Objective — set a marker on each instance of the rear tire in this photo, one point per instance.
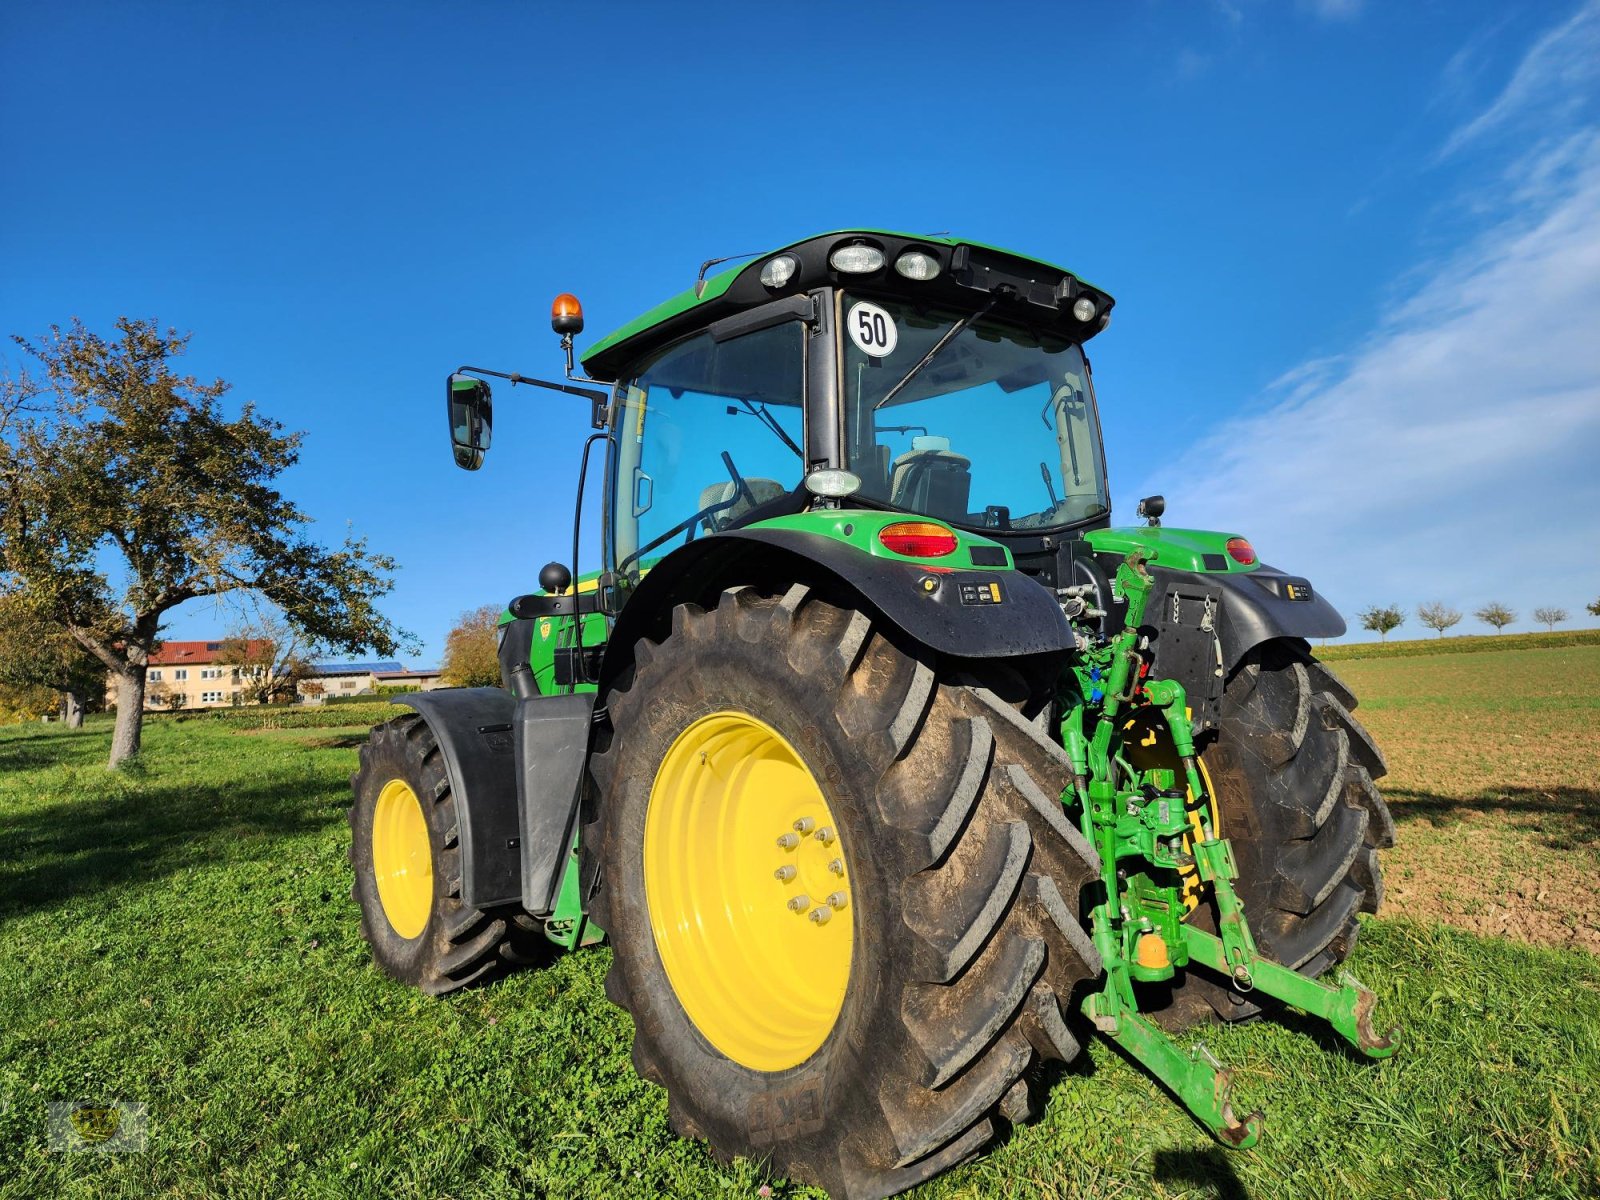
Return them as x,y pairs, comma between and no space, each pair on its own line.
441,944
1293,772
964,894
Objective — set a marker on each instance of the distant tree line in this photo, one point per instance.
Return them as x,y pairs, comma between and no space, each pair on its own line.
1382,619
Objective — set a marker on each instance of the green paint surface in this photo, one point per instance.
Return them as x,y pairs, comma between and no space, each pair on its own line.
1175,549
859,528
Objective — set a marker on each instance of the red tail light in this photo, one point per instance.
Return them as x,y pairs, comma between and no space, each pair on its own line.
918,539
1241,551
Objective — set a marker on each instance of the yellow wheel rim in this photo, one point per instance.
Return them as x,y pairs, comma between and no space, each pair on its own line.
401,858
1147,745
747,882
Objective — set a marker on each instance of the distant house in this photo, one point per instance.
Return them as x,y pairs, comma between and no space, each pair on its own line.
348,679
424,680
189,675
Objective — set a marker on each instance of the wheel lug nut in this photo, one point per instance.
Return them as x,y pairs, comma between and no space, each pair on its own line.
799,904
837,866
825,835
837,900
783,874
804,825
821,915
789,841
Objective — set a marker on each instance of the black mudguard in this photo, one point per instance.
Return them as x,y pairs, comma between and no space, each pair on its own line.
552,746
1028,621
514,768
1202,626
475,731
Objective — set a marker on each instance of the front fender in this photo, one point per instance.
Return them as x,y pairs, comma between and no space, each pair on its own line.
959,617
474,729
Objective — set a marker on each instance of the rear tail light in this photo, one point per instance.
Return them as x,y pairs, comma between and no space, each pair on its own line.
1241,551
918,539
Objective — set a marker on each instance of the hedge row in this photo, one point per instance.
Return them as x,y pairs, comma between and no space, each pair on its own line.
1472,644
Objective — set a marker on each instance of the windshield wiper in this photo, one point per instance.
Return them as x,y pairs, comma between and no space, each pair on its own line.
927,358
760,413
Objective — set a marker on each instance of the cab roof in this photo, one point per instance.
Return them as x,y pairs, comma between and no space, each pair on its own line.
970,273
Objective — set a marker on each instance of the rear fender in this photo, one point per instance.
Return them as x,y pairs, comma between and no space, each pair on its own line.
1027,622
1203,624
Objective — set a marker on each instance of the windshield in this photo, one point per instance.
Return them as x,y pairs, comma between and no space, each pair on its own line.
706,431
998,430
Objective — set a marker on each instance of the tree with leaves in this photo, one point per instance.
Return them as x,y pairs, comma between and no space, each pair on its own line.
1550,617
471,654
270,657
1438,615
127,489
1381,619
1594,608
1496,614
26,702
35,653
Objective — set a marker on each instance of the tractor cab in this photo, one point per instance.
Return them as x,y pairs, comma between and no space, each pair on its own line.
925,376
863,370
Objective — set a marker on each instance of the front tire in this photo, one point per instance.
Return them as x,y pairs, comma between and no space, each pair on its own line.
960,936
406,854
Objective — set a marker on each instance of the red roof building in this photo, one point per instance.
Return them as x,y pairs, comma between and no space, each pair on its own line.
190,675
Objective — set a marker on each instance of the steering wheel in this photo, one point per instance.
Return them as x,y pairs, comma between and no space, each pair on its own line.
741,488
689,526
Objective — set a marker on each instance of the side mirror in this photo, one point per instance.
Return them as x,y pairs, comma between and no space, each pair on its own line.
471,414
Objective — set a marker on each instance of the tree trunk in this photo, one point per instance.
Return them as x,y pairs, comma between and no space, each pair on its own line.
130,714
72,710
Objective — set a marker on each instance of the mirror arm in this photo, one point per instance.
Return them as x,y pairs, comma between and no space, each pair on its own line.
600,400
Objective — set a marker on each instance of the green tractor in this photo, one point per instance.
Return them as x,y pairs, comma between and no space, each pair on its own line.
888,767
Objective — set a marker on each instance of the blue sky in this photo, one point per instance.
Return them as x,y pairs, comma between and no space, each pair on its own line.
1356,247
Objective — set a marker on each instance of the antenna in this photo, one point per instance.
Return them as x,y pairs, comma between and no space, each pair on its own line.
700,279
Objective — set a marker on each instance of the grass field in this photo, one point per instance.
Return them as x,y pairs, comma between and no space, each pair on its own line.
180,935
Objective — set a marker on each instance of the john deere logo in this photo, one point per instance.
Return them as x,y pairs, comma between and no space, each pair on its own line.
96,1124
544,627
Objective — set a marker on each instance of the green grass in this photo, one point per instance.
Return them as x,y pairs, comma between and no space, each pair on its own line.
1464,644
181,935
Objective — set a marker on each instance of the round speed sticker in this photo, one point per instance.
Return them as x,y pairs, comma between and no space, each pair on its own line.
872,330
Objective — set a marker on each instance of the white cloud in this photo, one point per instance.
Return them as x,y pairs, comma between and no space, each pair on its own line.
1455,453
1552,82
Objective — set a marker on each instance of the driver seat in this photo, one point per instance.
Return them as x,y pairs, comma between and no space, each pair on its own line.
720,493
931,478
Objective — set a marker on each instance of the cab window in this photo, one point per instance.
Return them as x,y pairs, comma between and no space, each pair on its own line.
706,431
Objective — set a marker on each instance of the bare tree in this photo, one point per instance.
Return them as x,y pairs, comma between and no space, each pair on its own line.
1380,620
1550,617
1594,608
1496,614
1438,615
115,458
269,656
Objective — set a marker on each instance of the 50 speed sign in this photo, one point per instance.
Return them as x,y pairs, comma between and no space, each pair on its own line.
872,330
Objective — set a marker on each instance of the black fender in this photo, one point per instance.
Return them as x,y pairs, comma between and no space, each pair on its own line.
475,731
1027,621
514,767
1201,625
